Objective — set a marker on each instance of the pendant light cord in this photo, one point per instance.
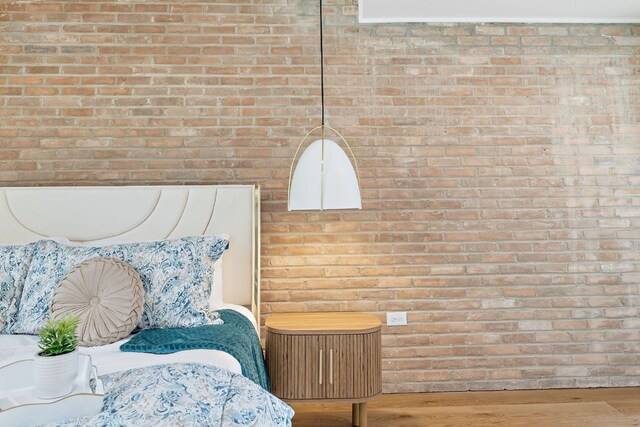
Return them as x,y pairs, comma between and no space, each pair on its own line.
321,67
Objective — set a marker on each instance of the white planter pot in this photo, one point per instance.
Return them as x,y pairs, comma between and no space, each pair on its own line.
53,376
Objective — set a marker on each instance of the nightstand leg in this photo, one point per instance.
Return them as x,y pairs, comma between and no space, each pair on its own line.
363,414
355,414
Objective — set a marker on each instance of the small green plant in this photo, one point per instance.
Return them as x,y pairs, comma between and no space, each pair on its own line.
59,336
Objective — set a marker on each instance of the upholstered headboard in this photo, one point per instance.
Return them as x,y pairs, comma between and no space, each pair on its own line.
134,213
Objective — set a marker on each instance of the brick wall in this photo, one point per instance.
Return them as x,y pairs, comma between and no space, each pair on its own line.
500,165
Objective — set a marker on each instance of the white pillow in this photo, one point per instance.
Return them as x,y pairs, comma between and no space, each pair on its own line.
216,300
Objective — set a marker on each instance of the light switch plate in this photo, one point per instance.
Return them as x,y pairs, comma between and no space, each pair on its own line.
396,318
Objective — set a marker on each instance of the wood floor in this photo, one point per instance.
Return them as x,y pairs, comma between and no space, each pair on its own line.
612,407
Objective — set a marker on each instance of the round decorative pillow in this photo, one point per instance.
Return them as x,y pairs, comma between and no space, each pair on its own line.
106,294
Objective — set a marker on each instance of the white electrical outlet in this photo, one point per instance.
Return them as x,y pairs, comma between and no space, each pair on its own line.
396,318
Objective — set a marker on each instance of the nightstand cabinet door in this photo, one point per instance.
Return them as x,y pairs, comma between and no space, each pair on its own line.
355,365
294,365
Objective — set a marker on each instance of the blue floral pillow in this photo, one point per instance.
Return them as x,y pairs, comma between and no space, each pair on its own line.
14,263
176,275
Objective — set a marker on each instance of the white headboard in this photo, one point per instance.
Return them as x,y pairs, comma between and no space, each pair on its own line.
133,213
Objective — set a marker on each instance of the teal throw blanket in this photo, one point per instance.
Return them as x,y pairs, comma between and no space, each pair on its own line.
236,336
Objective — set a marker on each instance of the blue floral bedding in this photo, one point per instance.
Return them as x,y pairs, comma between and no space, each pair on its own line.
185,394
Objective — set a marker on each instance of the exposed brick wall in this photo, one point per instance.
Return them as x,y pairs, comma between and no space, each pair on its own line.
500,165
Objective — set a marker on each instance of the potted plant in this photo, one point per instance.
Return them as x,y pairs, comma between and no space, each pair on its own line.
56,365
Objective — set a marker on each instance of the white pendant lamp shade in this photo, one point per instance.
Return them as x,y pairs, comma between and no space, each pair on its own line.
324,178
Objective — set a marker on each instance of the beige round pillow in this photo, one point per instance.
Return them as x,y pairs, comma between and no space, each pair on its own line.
106,294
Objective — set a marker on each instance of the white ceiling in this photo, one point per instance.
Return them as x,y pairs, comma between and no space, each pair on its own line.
570,11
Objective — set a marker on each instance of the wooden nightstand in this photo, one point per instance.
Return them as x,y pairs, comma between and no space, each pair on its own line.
325,356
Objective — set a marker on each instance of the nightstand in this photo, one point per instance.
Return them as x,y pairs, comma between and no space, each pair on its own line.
325,356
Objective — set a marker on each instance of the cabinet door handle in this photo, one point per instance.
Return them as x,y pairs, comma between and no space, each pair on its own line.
320,378
331,366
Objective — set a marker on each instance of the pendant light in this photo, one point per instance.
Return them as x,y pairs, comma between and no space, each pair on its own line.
324,176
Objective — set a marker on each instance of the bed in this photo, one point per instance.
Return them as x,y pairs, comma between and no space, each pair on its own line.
159,382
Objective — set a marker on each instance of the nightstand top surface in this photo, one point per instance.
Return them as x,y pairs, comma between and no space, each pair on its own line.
322,323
